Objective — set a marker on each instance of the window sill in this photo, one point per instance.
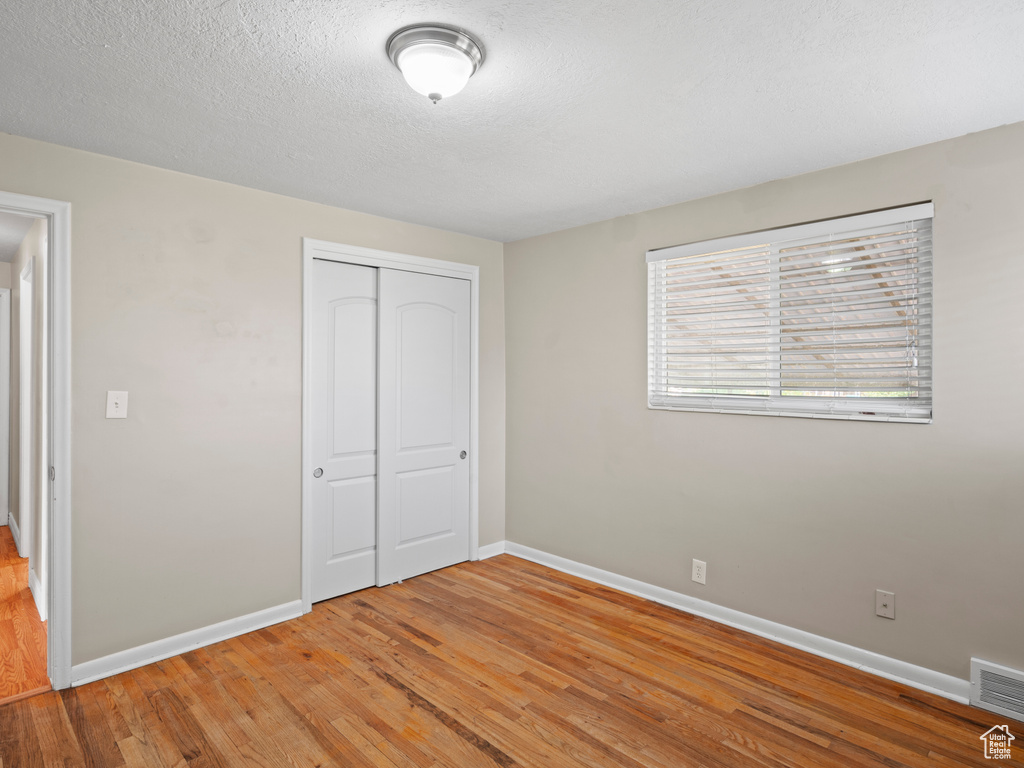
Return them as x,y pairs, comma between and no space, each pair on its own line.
842,416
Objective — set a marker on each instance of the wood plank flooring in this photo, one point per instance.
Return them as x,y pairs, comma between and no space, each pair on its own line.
497,663
22,634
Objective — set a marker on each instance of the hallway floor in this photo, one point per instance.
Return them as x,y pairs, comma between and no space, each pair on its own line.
22,634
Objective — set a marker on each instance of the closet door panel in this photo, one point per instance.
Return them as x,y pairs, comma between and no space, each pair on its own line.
344,428
423,423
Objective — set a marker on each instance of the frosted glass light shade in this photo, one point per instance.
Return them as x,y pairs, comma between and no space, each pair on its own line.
435,60
436,71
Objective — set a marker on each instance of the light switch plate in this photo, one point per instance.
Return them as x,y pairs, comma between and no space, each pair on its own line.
885,604
117,405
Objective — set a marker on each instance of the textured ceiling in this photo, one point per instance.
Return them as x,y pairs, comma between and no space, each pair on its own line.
583,110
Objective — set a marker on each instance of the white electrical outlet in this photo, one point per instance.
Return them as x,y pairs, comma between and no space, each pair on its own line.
885,604
117,405
700,571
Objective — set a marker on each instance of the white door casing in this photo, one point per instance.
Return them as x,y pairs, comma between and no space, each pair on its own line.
344,428
423,434
58,353
26,420
5,391
33,502
326,251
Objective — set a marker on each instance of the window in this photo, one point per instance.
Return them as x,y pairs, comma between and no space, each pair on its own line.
830,319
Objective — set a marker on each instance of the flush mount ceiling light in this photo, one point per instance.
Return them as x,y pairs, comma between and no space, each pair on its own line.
435,60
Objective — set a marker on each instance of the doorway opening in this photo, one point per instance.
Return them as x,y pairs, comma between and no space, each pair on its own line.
34,445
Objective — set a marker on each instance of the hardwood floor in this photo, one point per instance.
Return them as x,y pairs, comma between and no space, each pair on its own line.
501,662
22,634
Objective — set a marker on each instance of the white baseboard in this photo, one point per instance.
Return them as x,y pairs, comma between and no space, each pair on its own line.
491,550
15,534
892,669
159,650
37,592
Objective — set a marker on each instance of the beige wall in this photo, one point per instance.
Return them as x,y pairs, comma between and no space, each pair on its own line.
187,293
799,520
5,275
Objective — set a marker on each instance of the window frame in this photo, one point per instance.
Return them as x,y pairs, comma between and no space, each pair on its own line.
771,242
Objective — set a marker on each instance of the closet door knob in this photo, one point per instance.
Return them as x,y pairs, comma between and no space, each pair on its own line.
462,455
317,472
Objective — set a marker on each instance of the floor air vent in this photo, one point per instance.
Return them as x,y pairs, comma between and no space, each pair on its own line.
997,689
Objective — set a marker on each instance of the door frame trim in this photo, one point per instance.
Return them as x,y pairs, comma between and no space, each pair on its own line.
58,278
5,405
28,475
370,257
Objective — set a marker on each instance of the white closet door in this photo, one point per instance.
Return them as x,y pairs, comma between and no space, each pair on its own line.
423,427
344,429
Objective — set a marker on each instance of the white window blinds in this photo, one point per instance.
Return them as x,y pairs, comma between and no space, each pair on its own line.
826,319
